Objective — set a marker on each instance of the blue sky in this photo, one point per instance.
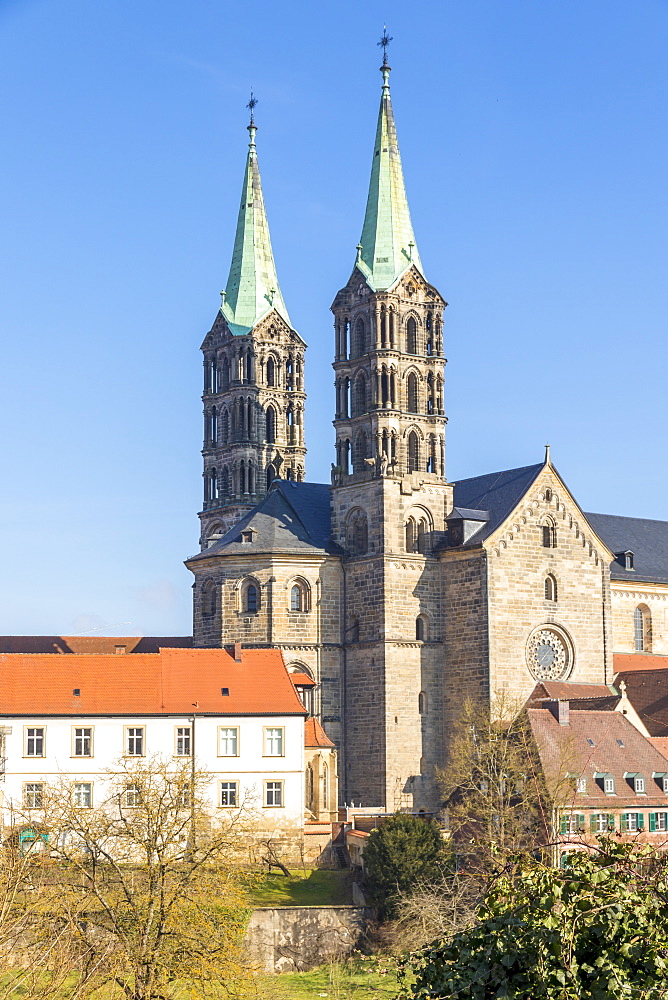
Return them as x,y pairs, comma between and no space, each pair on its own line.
535,149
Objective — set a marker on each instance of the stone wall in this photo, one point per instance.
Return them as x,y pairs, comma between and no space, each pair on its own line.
625,599
297,938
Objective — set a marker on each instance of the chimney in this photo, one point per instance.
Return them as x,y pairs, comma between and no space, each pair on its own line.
237,652
561,711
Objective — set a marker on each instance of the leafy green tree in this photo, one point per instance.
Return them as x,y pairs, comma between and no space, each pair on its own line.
402,854
594,930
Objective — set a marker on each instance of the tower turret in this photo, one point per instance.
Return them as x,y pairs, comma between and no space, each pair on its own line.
253,374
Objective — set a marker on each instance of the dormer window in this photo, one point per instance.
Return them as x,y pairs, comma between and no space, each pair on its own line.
246,537
606,782
661,778
636,781
628,560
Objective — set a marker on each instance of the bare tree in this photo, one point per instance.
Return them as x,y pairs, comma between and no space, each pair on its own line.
493,785
148,887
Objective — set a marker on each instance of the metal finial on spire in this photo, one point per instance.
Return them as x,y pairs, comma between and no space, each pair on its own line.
384,42
251,107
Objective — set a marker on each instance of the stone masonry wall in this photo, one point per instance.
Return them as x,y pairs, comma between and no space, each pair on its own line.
625,600
518,564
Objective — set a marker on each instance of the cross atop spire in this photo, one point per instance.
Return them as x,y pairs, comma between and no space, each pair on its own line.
385,41
388,245
252,104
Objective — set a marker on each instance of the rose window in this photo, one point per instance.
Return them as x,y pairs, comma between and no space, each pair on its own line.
548,655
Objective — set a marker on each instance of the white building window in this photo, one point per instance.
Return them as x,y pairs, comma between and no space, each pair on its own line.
183,741
134,741
132,796
273,742
229,793
273,793
34,741
82,742
581,785
83,794
33,795
228,742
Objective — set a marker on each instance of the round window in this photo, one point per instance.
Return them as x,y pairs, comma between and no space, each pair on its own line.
549,654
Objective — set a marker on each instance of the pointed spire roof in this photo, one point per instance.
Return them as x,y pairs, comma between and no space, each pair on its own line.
387,247
252,286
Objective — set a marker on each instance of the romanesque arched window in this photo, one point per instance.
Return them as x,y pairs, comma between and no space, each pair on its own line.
209,598
642,629
308,787
413,452
250,597
422,535
360,395
325,789
271,475
224,374
357,532
423,703
213,485
411,336
361,451
299,596
270,432
353,630
224,483
550,588
225,427
410,534
360,338
243,484
412,393
549,530
270,370
421,628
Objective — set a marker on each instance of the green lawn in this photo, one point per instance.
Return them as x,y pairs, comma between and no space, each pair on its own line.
317,887
348,981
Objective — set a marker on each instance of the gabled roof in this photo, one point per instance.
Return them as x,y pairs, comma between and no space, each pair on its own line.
252,288
388,242
566,749
648,540
92,643
646,688
315,735
173,681
496,494
292,517
575,693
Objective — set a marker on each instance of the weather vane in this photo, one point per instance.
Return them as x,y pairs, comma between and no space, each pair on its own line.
251,107
385,41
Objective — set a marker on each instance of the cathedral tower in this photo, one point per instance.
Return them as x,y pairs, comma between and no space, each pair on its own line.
390,495
253,375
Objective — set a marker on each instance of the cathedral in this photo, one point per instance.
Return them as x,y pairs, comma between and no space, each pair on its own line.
393,592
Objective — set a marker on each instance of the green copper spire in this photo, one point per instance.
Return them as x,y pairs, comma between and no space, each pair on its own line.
387,246
252,286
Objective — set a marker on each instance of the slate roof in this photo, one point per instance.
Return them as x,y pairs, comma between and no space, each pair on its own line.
496,493
566,748
173,681
648,540
292,517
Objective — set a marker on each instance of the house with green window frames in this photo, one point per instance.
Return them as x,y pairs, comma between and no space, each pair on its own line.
605,775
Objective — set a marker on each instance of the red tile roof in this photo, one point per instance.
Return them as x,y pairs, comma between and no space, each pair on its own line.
661,744
567,691
639,661
315,735
304,680
173,681
566,749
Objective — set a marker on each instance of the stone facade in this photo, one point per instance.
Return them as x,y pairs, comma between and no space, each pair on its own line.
253,418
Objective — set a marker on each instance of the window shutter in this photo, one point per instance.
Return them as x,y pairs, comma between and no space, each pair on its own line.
581,821
624,824
592,823
641,820
563,824
611,821
652,822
